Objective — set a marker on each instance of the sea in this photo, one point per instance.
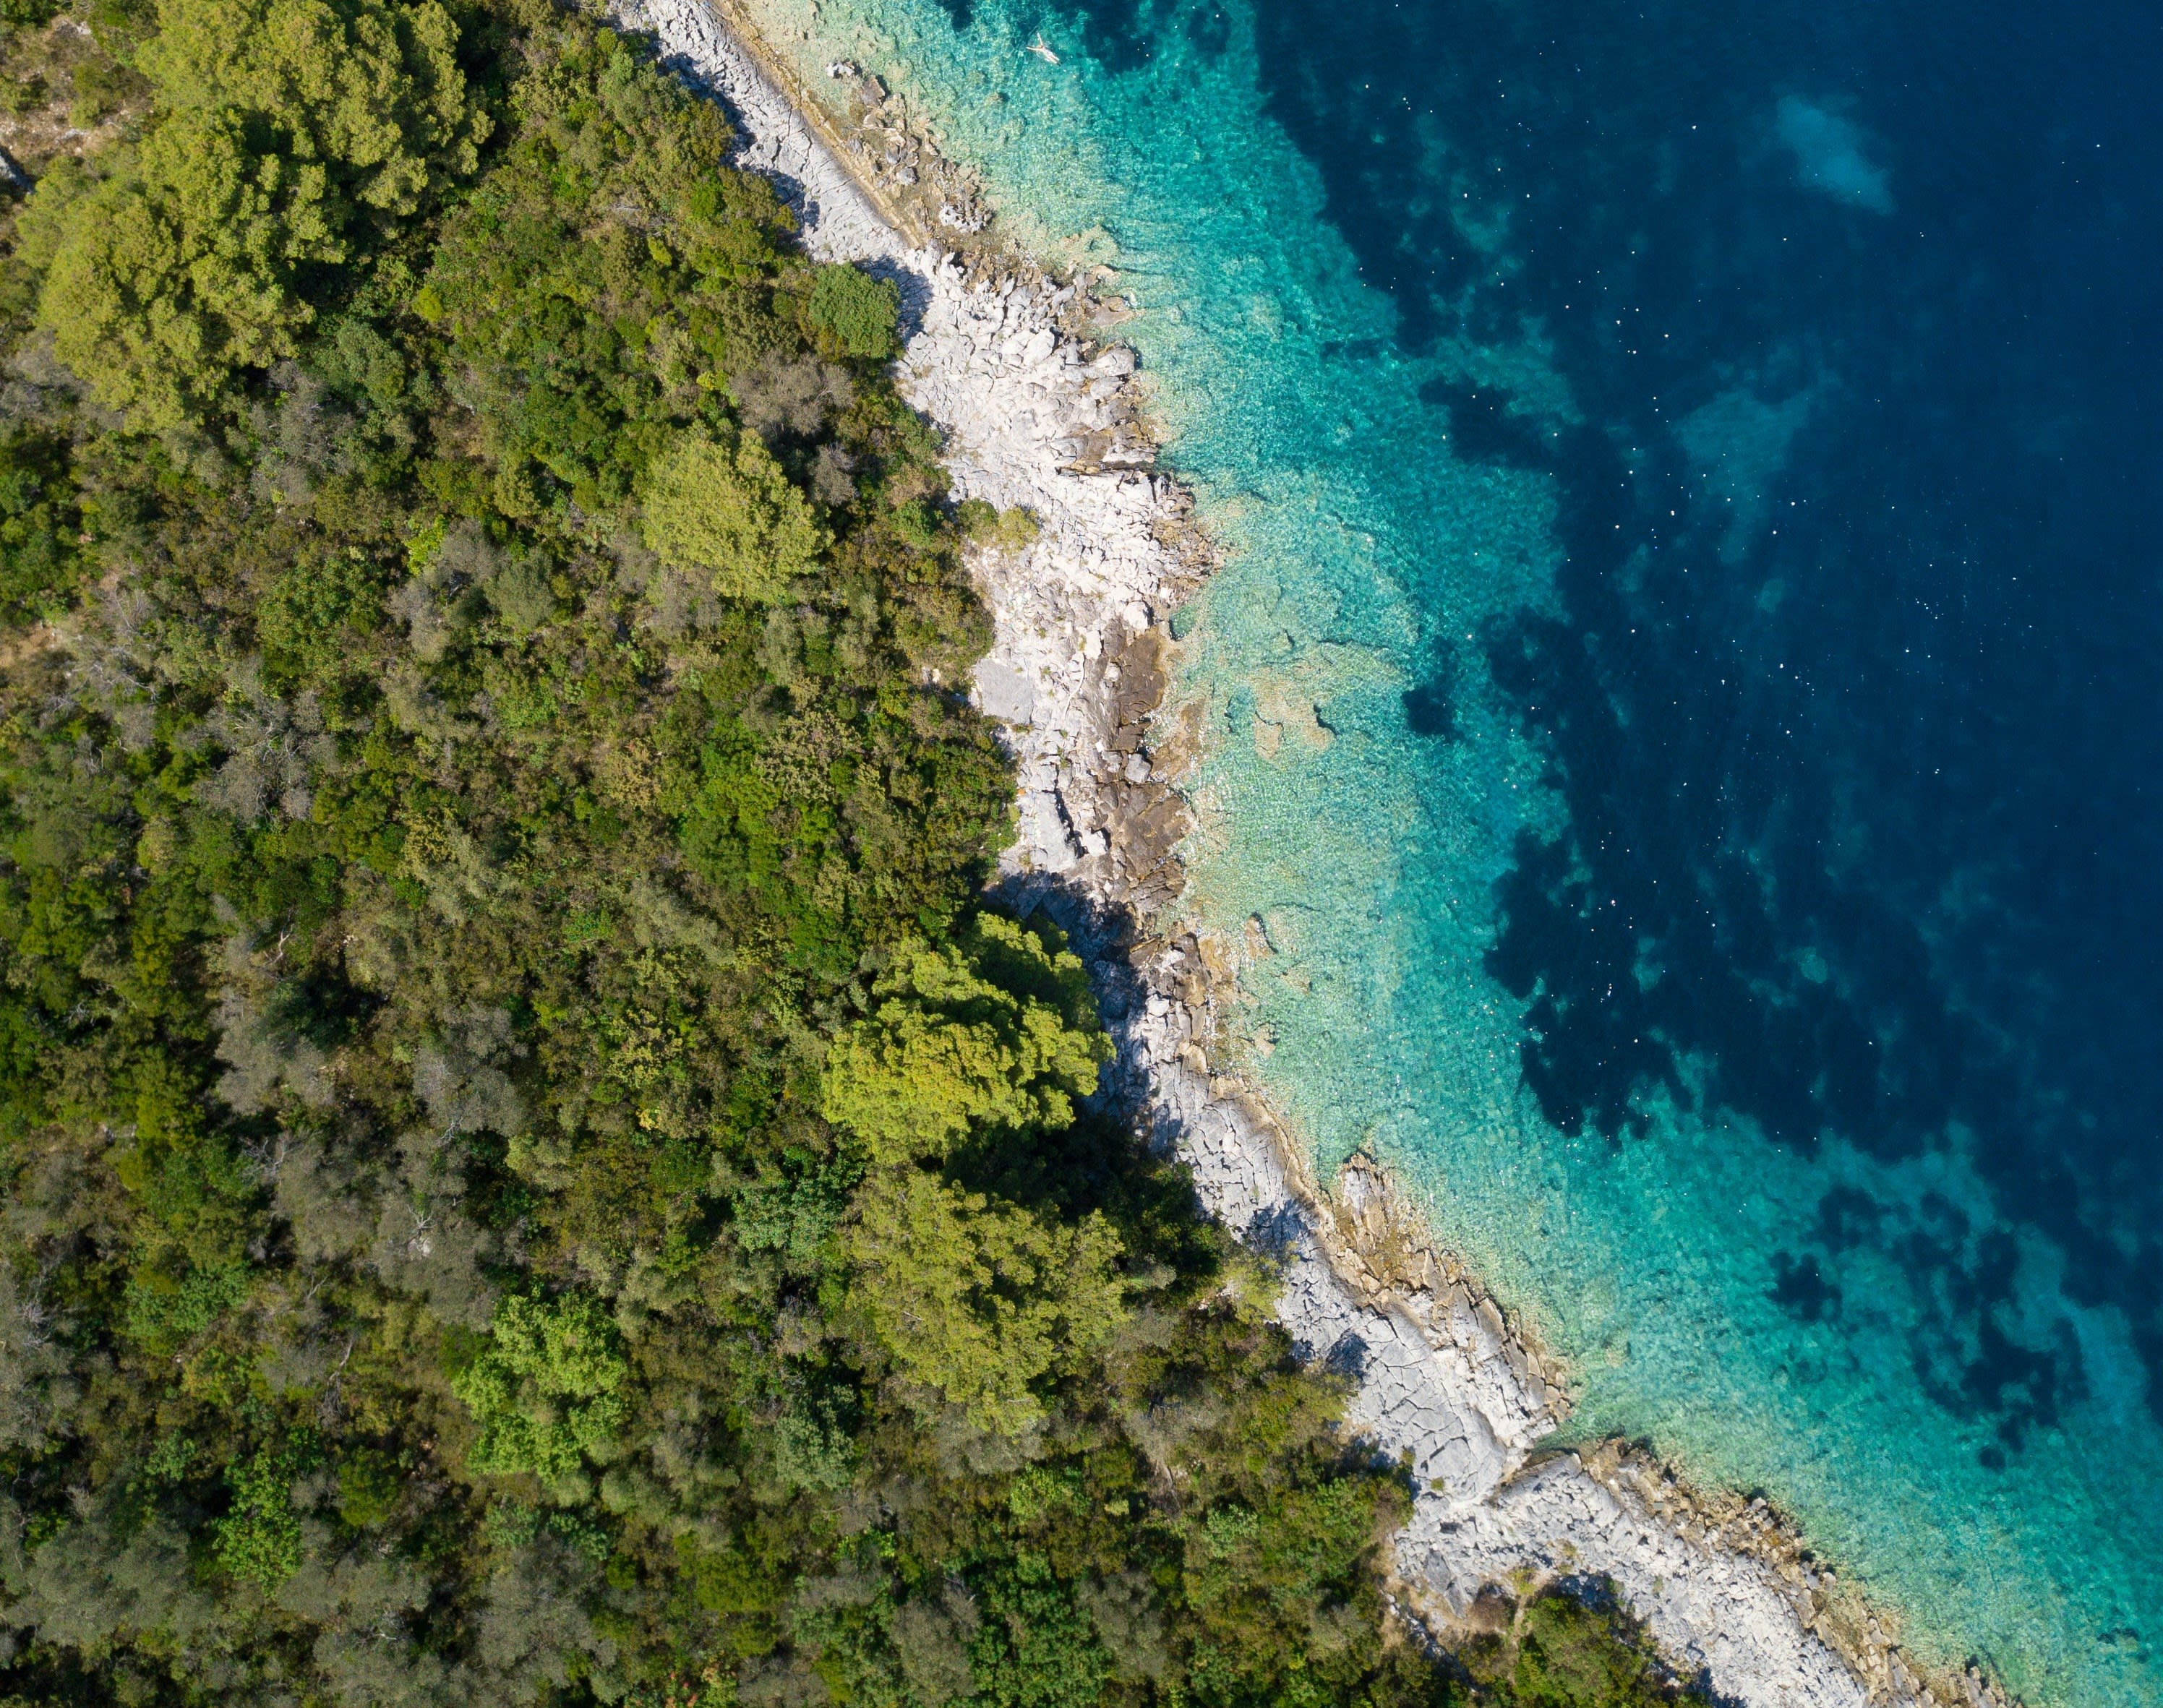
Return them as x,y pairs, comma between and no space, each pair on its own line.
1684,697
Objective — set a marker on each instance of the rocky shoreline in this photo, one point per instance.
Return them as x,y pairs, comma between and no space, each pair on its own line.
998,355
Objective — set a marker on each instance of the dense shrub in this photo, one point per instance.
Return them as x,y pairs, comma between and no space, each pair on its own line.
859,313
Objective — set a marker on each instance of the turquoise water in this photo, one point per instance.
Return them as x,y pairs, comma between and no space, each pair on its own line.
1681,701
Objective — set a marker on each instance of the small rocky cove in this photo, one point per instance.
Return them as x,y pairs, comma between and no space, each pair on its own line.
1040,413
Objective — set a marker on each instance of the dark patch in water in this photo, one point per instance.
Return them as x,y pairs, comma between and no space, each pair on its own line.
1800,1288
1431,705
1484,429
1847,1217
1353,350
1965,1357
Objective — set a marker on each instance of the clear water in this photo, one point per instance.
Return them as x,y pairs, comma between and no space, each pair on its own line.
1684,702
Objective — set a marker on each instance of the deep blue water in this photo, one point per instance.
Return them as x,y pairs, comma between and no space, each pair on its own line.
1683,698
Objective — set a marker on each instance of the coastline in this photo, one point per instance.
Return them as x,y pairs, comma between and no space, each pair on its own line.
1078,672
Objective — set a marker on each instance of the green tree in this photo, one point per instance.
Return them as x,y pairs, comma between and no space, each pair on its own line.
39,523
861,313
980,1300
277,124
171,276
259,1539
371,91
546,1391
993,1034
732,514
1573,1655
995,1031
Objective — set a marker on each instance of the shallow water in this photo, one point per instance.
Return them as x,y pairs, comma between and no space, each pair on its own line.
1684,697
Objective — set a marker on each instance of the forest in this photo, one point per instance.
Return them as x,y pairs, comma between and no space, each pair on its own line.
532,1172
